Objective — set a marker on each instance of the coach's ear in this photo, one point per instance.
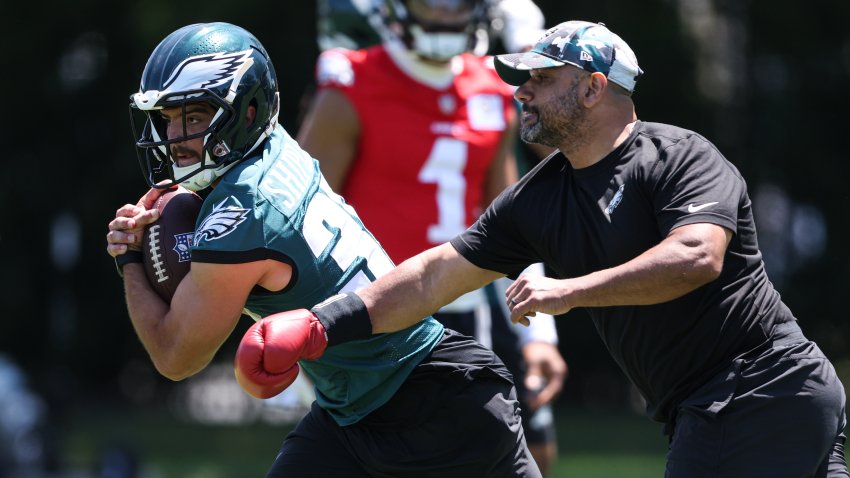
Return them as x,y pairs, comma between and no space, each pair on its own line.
596,85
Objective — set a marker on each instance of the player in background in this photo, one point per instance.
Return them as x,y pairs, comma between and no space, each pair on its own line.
418,134
273,236
352,24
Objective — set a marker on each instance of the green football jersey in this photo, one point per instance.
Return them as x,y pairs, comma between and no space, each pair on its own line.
277,205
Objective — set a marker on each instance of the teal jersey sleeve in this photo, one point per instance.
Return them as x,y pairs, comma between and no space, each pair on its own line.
278,206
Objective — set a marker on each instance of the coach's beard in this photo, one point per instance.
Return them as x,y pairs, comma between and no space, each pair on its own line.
559,124
533,131
527,126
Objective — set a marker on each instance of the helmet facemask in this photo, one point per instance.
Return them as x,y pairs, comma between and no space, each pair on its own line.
155,149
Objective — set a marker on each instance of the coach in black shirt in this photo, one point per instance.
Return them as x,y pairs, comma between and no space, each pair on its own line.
650,229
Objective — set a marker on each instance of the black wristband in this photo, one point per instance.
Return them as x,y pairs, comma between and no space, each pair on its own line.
127,258
344,317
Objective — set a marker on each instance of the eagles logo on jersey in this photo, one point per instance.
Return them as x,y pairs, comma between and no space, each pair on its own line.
220,222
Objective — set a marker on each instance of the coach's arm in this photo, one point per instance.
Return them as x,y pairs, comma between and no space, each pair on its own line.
419,286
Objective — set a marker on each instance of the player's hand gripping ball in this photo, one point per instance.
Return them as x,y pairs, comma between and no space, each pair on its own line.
166,242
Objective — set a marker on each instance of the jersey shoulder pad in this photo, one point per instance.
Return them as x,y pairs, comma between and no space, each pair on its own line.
336,67
489,62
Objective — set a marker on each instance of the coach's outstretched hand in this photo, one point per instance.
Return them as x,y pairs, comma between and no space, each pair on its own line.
268,355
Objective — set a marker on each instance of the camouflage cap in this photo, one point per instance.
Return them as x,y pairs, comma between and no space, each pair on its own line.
589,46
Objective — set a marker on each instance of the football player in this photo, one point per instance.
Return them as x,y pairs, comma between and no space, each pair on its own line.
354,24
273,236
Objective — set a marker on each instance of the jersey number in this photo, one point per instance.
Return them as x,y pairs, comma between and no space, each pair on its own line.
444,167
331,230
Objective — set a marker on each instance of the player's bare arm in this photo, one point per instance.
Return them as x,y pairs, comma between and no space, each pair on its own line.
546,373
330,133
182,337
435,278
689,257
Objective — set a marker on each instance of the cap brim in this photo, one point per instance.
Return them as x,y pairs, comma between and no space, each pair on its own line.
513,68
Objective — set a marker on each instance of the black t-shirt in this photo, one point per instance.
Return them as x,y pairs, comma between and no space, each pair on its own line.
581,221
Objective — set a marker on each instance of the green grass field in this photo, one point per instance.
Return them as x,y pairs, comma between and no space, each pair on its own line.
598,444
593,444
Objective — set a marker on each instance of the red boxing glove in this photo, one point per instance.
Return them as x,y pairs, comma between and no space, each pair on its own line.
268,355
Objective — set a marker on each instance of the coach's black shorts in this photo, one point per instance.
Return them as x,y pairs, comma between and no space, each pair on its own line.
539,425
780,414
456,416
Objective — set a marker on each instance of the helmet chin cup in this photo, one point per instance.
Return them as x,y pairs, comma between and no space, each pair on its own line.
439,46
195,177
199,181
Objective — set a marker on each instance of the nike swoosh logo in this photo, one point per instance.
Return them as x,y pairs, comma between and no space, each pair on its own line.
693,208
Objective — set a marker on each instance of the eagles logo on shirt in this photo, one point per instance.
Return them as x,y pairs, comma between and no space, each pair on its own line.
615,201
221,221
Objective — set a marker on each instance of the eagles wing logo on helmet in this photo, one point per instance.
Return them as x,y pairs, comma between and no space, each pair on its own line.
202,72
208,71
221,222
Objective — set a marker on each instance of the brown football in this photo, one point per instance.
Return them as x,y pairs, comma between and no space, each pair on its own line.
166,243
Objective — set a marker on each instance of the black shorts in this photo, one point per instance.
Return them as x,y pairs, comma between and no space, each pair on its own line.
456,416
539,425
780,414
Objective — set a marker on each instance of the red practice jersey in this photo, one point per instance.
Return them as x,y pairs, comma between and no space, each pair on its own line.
420,169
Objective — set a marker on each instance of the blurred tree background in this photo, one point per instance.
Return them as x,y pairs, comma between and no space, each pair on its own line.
765,80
